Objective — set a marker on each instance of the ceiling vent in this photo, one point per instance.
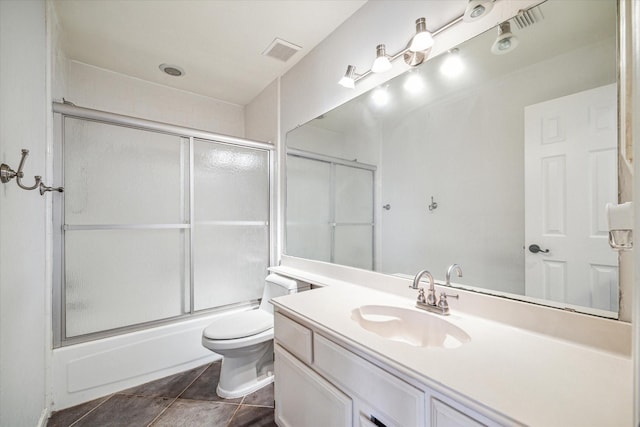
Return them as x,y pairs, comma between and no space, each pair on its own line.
281,50
526,18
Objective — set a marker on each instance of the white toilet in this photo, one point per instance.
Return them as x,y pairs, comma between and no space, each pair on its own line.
245,340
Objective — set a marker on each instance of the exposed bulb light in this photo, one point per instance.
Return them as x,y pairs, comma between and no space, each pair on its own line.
381,63
506,41
476,9
423,39
452,65
414,84
380,97
348,80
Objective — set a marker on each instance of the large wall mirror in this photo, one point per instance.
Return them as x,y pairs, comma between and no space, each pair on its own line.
500,163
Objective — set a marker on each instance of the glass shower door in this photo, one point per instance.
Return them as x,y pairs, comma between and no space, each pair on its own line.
124,226
231,223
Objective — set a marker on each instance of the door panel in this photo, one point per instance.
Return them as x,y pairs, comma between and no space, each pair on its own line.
570,175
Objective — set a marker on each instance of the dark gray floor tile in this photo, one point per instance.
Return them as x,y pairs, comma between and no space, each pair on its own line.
68,416
262,397
125,410
192,413
253,416
170,386
204,388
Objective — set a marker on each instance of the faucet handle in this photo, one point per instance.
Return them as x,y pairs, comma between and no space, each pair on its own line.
443,300
421,297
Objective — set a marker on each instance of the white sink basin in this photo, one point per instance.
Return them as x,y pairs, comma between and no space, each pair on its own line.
409,326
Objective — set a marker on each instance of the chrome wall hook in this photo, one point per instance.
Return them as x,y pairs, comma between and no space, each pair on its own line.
7,174
433,206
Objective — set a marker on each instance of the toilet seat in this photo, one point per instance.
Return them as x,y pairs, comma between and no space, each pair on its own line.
239,325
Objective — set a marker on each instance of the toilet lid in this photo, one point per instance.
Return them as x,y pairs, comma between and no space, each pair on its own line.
239,325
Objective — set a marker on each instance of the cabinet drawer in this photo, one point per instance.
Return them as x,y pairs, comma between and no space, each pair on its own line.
391,400
294,337
303,398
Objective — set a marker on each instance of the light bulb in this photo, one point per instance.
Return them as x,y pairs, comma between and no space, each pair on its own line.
381,63
348,79
506,41
476,9
423,39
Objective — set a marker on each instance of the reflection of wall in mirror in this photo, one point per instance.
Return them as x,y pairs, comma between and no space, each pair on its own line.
467,151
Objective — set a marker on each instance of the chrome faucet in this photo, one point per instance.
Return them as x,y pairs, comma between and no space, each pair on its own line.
430,303
431,297
451,269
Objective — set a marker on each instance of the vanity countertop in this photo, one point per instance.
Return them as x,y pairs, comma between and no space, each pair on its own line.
532,378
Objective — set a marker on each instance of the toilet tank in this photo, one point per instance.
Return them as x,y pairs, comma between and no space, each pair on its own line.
276,286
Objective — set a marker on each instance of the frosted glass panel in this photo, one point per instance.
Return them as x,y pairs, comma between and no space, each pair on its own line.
354,246
308,191
231,183
119,175
354,194
309,241
117,278
230,264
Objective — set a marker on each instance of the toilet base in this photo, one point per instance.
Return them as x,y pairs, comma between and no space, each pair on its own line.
245,370
225,394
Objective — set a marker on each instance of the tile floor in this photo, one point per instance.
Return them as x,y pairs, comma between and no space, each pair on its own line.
186,399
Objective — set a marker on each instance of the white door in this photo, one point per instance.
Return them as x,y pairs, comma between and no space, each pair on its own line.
570,175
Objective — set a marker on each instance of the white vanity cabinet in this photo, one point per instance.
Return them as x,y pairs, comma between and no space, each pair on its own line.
321,383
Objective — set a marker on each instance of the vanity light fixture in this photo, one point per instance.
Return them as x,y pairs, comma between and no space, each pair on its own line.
423,39
382,62
506,41
349,78
476,9
418,48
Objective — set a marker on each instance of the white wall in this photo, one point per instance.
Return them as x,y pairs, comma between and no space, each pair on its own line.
100,89
261,115
24,323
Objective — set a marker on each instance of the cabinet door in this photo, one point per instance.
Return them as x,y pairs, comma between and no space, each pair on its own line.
303,398
443,415
375,392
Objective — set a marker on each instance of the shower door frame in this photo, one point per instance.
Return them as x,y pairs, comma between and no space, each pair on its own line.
67,110
333,161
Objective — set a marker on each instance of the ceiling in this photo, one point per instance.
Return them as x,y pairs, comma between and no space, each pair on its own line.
218,43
